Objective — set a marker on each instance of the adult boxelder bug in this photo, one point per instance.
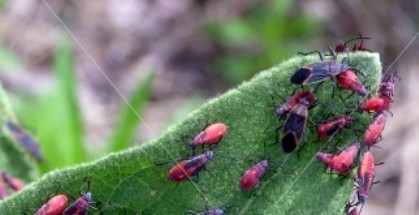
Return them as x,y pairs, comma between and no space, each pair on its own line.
376,105
319,71
80,206
294,126
15,183
343,47
366,174
191,167
373,133
212,135
251,177
3,189
328,128
294,100
24,139
342,162
55,206
348,80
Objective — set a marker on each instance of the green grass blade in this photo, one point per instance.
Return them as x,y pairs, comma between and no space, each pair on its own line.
132,181
70,148
123,136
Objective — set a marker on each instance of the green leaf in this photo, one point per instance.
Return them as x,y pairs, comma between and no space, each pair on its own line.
133,180
14,159
129,117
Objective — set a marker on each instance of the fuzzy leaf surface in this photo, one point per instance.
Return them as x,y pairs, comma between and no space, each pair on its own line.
135,180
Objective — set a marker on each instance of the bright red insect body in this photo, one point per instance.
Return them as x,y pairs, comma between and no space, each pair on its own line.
14,183
3,189
24,139
373,133
80,206
348,80
376,105
366,174
191,167
212,135
294,100
56,205
328,128
251,177
342,162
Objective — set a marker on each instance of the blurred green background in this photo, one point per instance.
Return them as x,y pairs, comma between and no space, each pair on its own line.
126,70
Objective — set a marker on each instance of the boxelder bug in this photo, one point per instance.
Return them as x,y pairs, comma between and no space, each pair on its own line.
342,162
294,100
343,47
15,183
366,174
3,189
376,105
319,71
191,167
24,139
373,133
212,135
55,206
328,128
251,177
294,126
348,80
80,206
386,88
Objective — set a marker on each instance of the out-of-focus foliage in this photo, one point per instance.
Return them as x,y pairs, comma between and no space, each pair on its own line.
57,121
8,60
125,130
14,159
268,33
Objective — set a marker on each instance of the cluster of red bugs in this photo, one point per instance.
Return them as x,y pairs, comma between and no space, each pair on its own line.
341,163
295,111
57,205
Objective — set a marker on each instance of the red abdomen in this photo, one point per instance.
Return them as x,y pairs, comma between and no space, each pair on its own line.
373,133
348,80
375,104
56,205
180,173
366,174
3,189
188,168
251,177
330,127
211,135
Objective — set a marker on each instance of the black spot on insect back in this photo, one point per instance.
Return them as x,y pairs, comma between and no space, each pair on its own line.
301,75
